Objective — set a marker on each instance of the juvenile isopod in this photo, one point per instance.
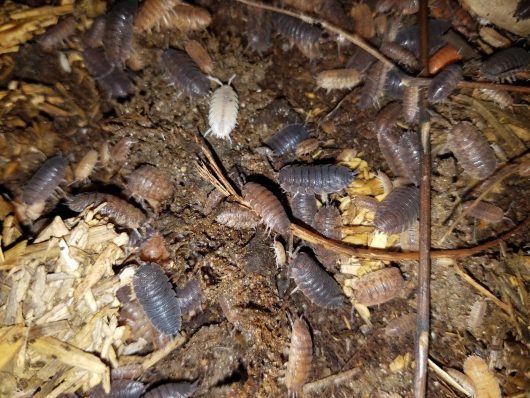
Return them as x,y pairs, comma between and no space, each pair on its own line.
315,283
502,98
328,222
299,33
365,202
315,179
287,139
86,165
304,207
401,325
300,357
486,385
472,150
119,152
386,118
445,56
409,156
450,10
150,184
373,86
224,106
411,103
199,54
476,314
56,36
190,296
378,287
45,181
505,64
121,389
180,70
159,301
400,54
398,210
153,13
484,211
186,18
280,255
154,249
268,207
363,22
258,28
172,390
338,79
118,31
307,147
444,83
238,217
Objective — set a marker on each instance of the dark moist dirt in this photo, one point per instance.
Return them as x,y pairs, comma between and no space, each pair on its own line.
247,358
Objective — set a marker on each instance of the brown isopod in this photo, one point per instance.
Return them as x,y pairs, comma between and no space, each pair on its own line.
363,22
56,36
86,165
238,217
201,57
299,33
154,249
152,13
464,381
268,207
151,185
486,385
378,287
484,211
365,202
411,108
213,199
328,222
386,118
373,86
119,152
400,54
502,98
401,325
447,55
304,5
304,207
472,150
186,17
388,141
307,147
398,210
338,79
409,156
450,10
300,357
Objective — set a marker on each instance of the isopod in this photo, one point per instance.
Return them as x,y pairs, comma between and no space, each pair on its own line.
299,33
45,181
150,184
287,138
186,18
200,56
328,222
86,165
452,11
190,296
172,390
338,79
401,325
400,54
93,37
96,63
315,283
120,388
300,357
472,150
152,13
316,179
213,199
153,249
409,37
444,83
117,84
378,287
388,141
502,98
180,70
304,5
411,103
237,217
119,153
307,147
484,211
118,31
476,314
393,87
280,255
464,381
398,210
363,23
259,27
486,385
386,118
365,202
268,207
405,7
155,294
361,61
304,207
332,11
56,36
445,56
373,86
409,156
224,107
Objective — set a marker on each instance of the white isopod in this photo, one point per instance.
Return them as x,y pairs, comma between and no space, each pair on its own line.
224,107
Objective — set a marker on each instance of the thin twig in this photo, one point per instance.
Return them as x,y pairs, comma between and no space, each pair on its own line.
333,379
446,377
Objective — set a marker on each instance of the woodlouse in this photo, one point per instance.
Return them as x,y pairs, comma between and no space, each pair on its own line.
153,249
237,217
57,35
159,301
280,255
258,28
315,179
93,36
484,211
411,96
452,11
45,181
464,381
299,33
444,83
373,86
117,84
387,117
118,31
86,165
401,325
388,141
224,107
502,98
332,11
360,60
398,210
172,390
409,156
304,207
393,86
152,13
287,138
365,202
400,54
471,150
338,79
190,296
180,70
378,287
486,385
445,56
213,199
300,357
186,18
307,147
315,283
268,207
96,63
304,5
150,184
200,56
363,23
121,389
409,37
476,314
119,152
328,222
